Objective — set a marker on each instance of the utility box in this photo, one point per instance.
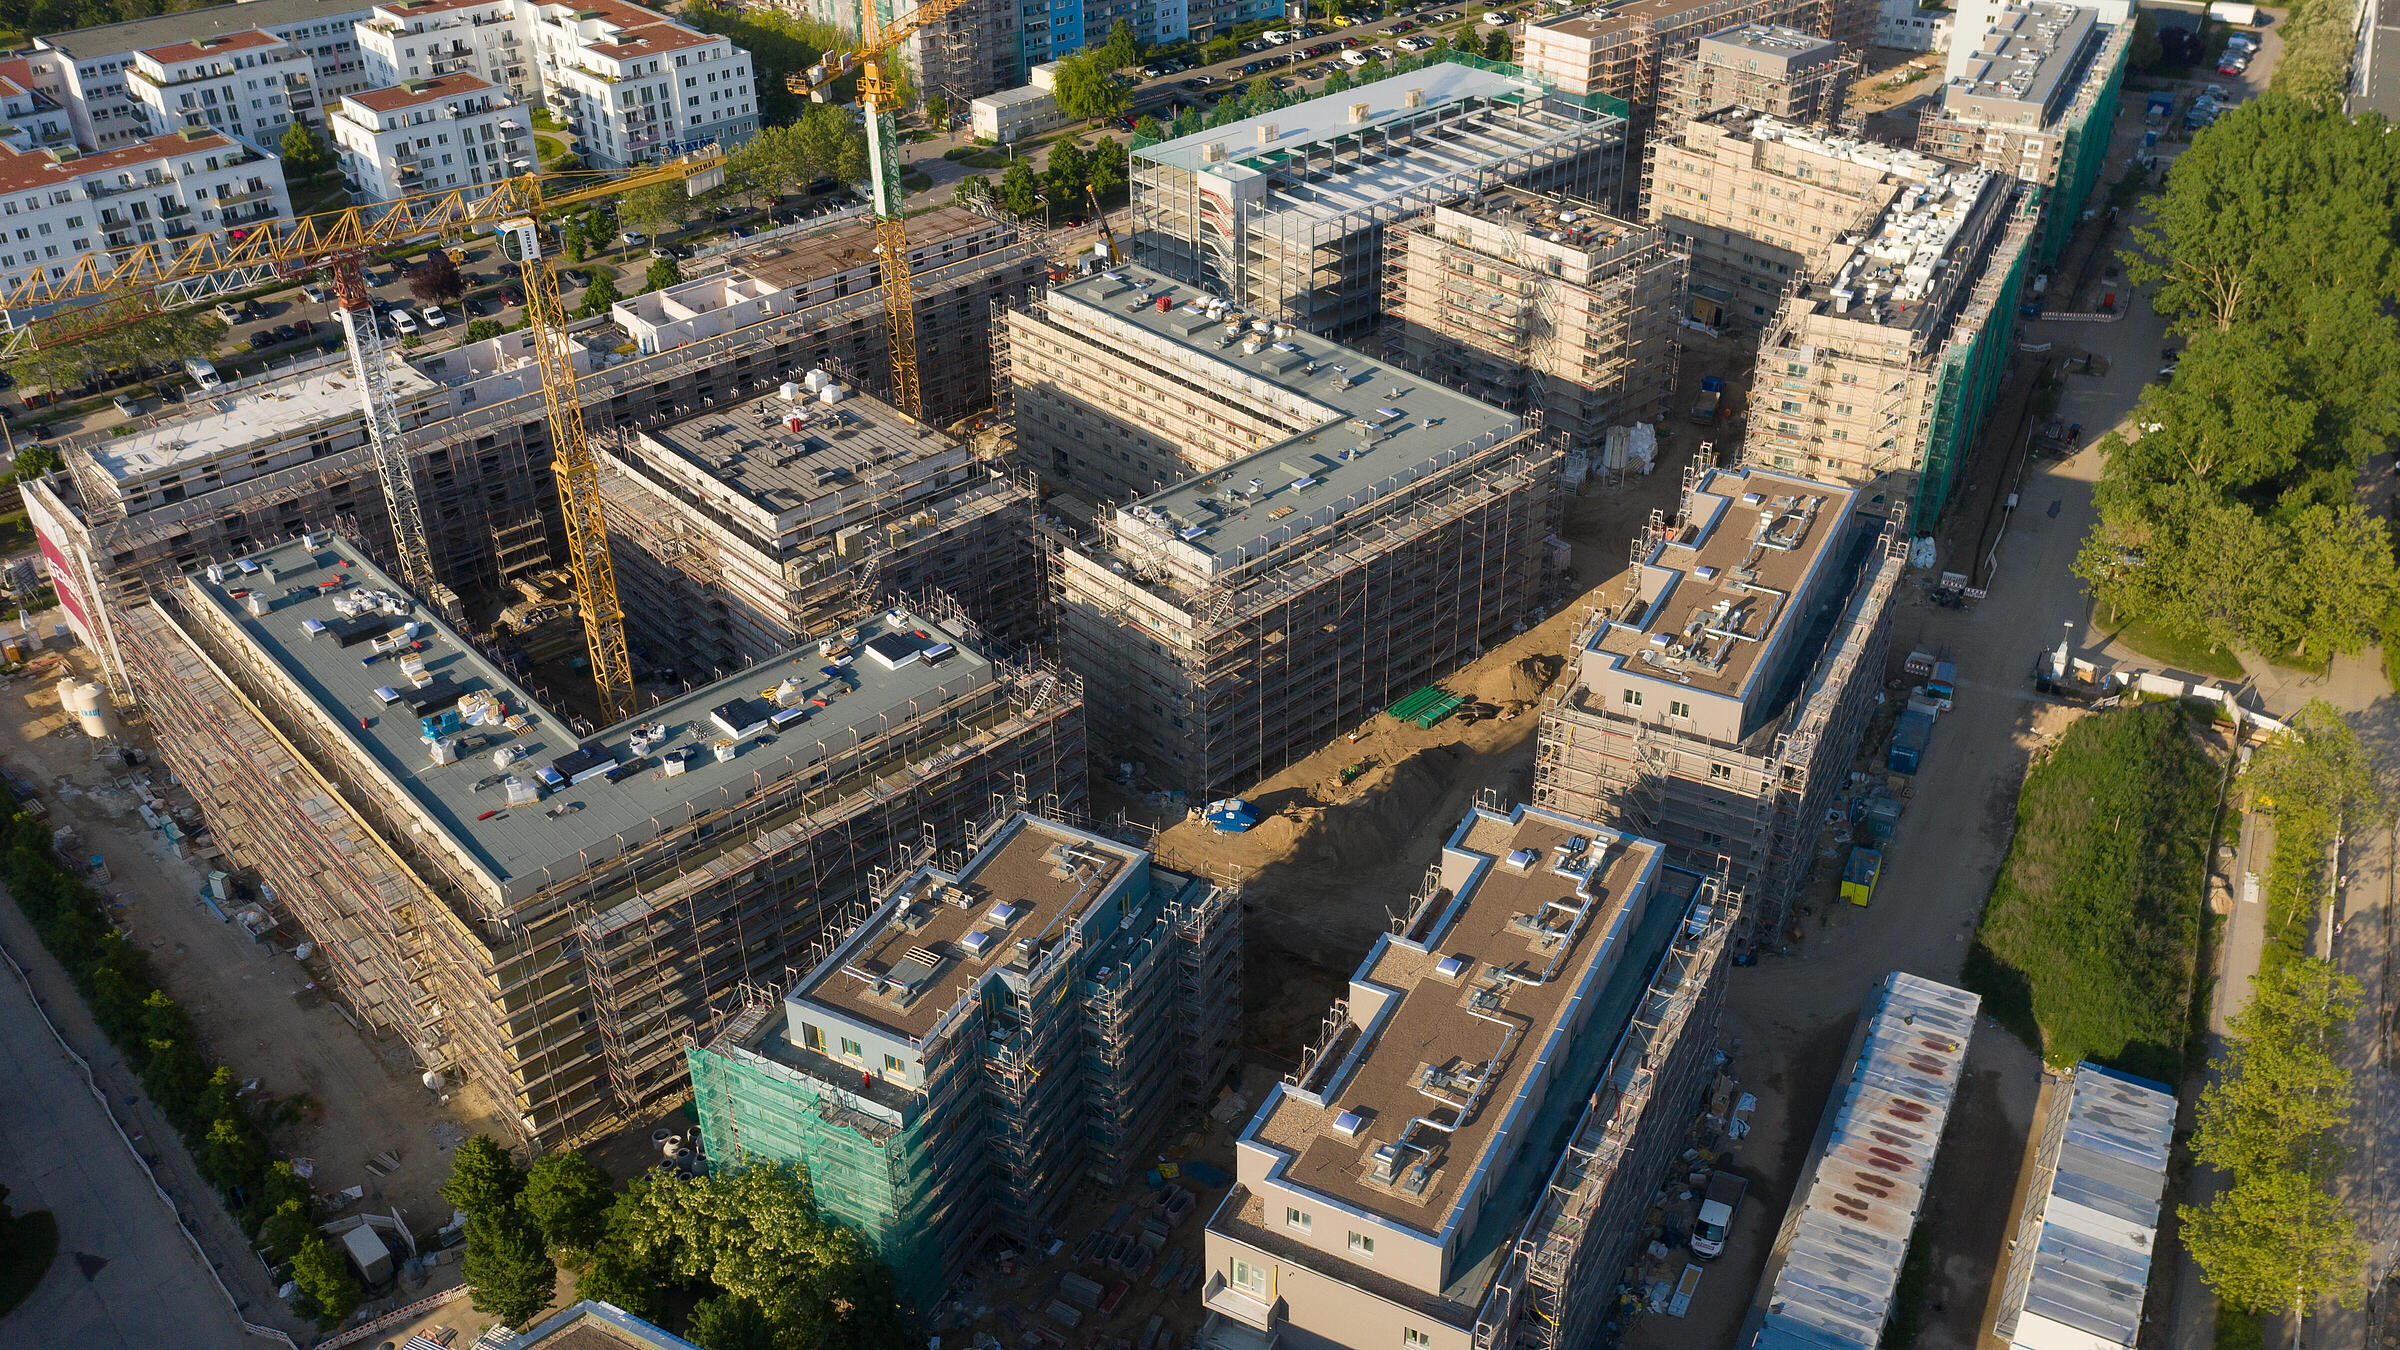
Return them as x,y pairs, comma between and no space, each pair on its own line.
367,1252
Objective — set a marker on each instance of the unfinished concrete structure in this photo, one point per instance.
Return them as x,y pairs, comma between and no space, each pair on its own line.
1759,201
1334,534
547,912
1464,1158
745,531
2037,100
286,451
1882,364
1716,702
988,1030
1629,52
1782,72
1544,305
1284,213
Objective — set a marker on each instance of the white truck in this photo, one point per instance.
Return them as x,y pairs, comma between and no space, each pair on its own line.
1717,1207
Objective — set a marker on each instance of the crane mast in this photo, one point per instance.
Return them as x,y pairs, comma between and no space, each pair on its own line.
365,336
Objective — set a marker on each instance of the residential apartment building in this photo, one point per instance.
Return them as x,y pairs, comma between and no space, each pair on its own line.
1909,26
1716,703
1759,202
2038,102
1787,74
1881,365
1629,52
433,39
973,50
543,911
1310,536
424,135
1977,19
56,211
240,85
756,526
85,71
1284,213
1467,1156
29,118
1543,305
636,86
986,1032
1833,1275
2079,1270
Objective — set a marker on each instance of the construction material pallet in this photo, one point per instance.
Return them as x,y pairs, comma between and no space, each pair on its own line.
1428,706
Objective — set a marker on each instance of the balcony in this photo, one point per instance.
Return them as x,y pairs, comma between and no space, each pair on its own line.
265,211
180,231
1225,1299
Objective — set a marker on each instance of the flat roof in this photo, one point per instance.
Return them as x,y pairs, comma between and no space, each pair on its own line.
1606,21
1580,225
1474,1017
1721,594
392,98
2018,73
575,824
1912,263
2099,1217
1898,161
1009,98
1366,175
920,955
234,417
1382,427
160,30
787,264
1769,39
842,448
1840,1249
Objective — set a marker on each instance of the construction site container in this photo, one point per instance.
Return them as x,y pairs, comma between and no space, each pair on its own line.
1860,874
1909,740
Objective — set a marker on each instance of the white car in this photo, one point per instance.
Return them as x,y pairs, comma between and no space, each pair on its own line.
318,294
1414,43
404,323
1354,58
1495,18
228,312
434,317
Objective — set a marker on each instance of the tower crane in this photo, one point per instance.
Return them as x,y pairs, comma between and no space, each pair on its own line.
876,96
156,275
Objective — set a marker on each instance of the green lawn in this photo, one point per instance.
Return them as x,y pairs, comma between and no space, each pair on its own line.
30,1244
550,149
16,531
2171,646
2087,944
321,193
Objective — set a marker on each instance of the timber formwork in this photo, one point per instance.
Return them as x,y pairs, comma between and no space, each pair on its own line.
1759,805
1212,689
572,1004
1559,1283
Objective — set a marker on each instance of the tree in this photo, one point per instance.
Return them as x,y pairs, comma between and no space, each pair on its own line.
1018,188
599,296
937,111
1149,128
1339,82
2277,1241
729,1323
569,1200
1083,89
1104,168
435,280
506,1269
484,1179
37,459
1066,173
2145,53
325,1276
304,156
1124,48
2281,1093
484,330
664,272
1495,45
2317,765
1262,96
658,209
765,167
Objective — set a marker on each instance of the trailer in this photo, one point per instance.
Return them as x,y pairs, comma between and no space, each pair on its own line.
1712,401
1941,685
1909,740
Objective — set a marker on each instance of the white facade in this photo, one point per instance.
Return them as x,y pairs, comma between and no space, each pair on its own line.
1977,19
35,120
239,86
169,187
1903,25
85,71
484,38
430,134
1014,113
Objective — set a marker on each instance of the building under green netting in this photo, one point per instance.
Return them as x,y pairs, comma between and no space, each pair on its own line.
1967,378
2084,131
983,1037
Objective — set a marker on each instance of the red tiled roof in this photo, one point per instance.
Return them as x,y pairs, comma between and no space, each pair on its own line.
177,52
392,98
22,171
18,73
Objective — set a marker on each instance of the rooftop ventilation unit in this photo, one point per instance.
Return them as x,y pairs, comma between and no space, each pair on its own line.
1521,859
1358,113
1451,968
979,943
1007,912
1349,1124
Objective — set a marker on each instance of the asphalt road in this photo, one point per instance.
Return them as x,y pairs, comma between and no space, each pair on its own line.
125,1277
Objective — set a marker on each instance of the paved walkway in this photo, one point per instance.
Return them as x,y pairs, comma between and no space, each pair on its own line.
125,1278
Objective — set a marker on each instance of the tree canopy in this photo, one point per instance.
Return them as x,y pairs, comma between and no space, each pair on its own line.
568,1198
660,208
435,280
304,155
1083,89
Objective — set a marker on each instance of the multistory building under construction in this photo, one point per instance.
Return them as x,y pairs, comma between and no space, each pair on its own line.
1465,1158
1631,52
751,528
1782,72
1334,532
548,913
1284,213
1716,702
988,1029
1883,362
285,452
1546,306
1758,202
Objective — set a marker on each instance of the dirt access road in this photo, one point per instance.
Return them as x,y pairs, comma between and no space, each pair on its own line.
255,1007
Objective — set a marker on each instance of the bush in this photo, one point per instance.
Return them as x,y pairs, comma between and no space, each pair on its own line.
2093,922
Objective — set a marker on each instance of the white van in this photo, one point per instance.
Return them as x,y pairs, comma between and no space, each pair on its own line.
203,372
404,322
1354,57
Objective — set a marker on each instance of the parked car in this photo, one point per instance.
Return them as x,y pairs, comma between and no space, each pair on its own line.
203,372
634,239
285,332
1380,53
404,323
228,312
307,327
1495,18
510,295
434,317
319,294
1718,1205
127,404
261,340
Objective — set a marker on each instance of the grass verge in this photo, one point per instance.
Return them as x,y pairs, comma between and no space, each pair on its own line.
2087,944
16,531
2171,646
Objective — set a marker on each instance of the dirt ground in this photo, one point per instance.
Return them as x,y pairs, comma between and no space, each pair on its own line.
256,1008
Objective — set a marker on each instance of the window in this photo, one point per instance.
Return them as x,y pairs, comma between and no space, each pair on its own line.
1361,1244
892,1064
1250,1277
813,1037
1679,710
1633,698
1297,1219
1414,1339
1720,773
853,1049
